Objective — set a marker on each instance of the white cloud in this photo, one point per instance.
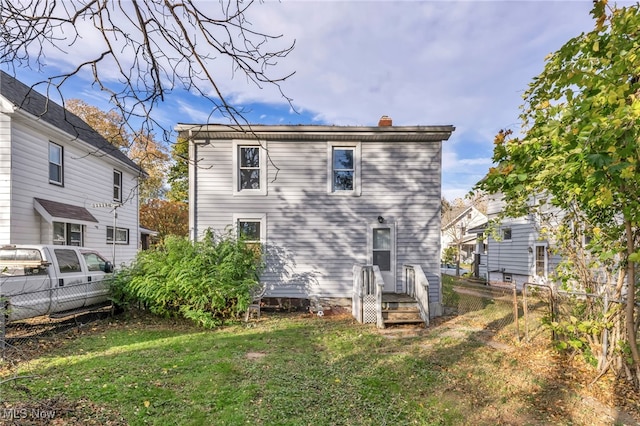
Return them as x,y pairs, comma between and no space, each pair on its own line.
465,63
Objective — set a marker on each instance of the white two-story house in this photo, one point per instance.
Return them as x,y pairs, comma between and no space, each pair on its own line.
60,181
323,199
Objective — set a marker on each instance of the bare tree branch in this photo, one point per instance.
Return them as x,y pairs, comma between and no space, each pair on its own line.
139,51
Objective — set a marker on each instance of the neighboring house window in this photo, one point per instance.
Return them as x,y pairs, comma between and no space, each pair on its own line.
117,186
249,168
55,164
541,261
343,168
122,235
71,234
506,234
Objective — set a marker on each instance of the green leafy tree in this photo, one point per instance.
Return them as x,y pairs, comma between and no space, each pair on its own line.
141,146
178,177
580,146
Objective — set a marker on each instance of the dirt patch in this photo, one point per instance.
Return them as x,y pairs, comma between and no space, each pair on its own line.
255,355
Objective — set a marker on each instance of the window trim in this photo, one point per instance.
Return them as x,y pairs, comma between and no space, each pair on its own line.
59,165
120,242
67,234
237,144
357,165
252,217
545,260
119,186
504,230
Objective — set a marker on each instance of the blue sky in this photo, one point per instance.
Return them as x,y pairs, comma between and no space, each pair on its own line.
422,63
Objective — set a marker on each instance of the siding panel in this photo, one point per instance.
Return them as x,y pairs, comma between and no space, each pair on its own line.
88,180
314,238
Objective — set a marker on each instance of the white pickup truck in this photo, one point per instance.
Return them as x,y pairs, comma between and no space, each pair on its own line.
51,279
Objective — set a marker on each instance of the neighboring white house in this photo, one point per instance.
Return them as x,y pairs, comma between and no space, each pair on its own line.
323,199
457,232
60,181
516,249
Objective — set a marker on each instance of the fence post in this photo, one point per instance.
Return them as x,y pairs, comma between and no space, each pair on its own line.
3,334
605,334
515,309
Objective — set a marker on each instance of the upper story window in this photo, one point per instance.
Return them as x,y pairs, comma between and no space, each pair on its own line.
55,164
249,168
117,186
343,168
506,234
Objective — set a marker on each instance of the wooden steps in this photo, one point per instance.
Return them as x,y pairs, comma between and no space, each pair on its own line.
400,309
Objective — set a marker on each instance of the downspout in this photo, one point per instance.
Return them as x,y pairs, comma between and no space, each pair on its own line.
193,183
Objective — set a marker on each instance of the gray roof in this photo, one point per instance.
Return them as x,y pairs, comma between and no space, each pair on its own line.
317,132
27,99
66,211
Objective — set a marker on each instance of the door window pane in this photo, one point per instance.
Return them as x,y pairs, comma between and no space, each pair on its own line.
382,248
382,239
382,258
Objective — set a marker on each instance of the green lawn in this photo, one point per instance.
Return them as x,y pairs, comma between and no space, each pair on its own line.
293,369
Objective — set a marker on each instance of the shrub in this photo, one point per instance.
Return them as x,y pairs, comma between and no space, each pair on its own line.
207,281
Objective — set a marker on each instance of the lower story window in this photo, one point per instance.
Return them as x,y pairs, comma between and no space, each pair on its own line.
71,234
122,235
251,229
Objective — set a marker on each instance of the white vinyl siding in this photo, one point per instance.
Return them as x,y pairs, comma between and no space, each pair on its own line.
5,179
86,178
314,237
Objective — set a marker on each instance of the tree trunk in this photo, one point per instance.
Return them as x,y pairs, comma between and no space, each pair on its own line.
630,322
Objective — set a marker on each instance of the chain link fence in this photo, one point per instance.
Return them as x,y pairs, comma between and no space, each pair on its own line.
23,327
522,315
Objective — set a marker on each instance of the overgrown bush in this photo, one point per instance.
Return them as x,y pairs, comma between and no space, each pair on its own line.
207,281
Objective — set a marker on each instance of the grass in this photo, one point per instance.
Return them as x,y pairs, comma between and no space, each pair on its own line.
289,370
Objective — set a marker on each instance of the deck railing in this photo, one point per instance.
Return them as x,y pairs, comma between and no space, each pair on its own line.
366,303
417,286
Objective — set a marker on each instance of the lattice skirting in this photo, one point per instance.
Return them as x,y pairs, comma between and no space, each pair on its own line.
369,309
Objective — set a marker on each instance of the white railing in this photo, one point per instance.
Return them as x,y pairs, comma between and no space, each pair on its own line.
417,286
366,305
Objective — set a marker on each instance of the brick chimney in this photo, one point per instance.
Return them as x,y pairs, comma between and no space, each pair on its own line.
385,121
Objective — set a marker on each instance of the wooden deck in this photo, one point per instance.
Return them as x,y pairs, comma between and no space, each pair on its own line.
397,298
